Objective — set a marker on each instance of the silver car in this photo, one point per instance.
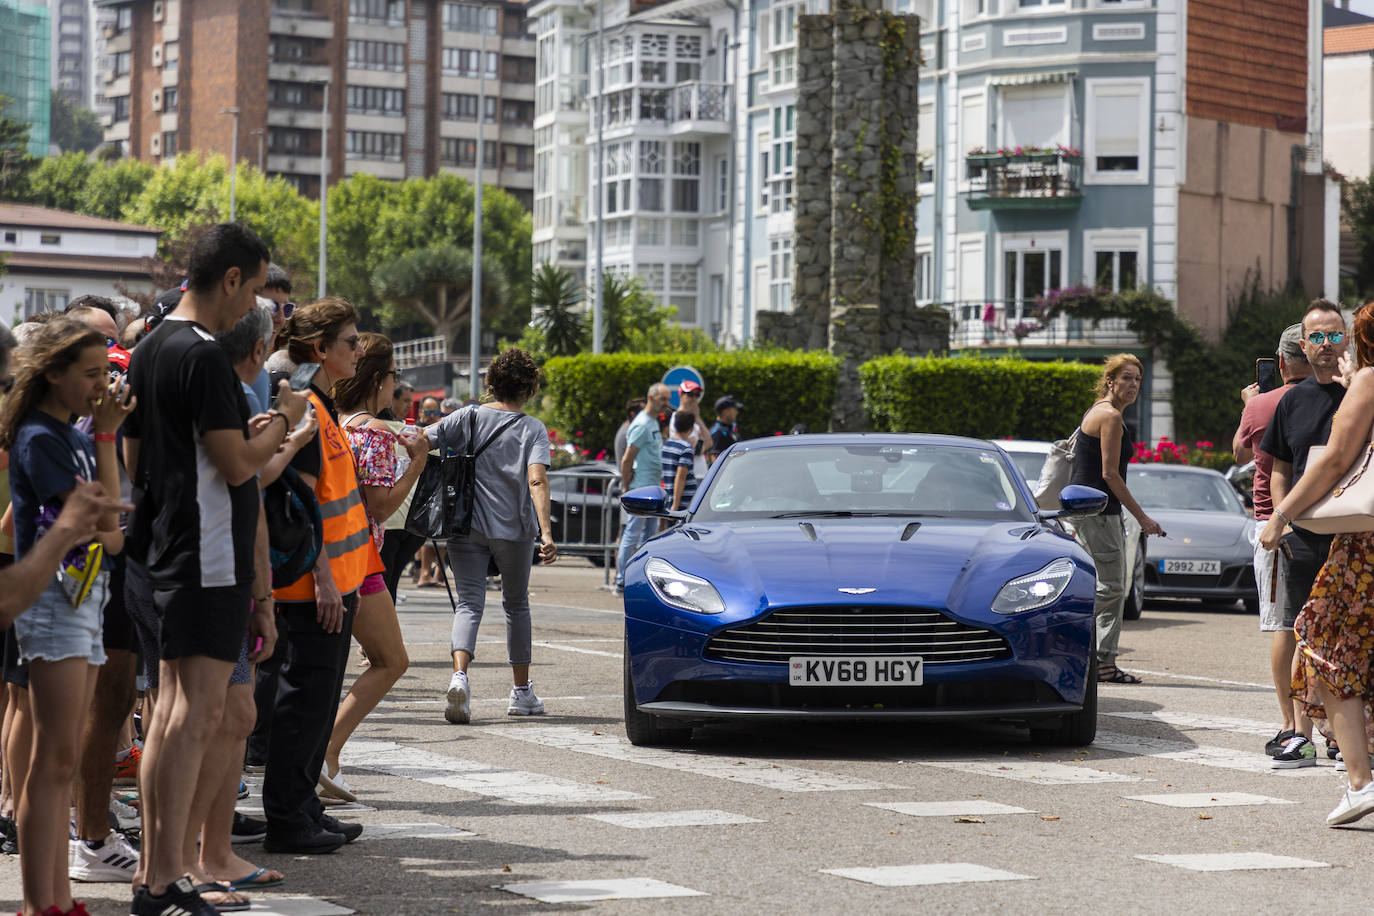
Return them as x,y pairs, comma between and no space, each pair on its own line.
1029,457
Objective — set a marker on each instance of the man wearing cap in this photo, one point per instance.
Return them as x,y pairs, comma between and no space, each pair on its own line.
725,431
641,467
689,396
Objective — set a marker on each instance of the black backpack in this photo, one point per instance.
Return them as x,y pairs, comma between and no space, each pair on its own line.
446,492
295,530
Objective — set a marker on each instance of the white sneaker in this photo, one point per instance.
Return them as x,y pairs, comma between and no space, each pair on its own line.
1354,804
127,815
1341,767
523,702
459,710
114,862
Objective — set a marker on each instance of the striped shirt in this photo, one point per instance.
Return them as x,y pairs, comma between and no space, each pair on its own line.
677,453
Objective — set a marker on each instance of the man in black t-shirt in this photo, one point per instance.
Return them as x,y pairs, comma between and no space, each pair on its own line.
193,454
1302,420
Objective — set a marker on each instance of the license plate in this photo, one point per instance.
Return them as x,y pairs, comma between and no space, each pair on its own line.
854,671
1190,567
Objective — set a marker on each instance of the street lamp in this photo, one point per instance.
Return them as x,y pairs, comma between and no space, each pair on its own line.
324,184
476,342
261,134
233,159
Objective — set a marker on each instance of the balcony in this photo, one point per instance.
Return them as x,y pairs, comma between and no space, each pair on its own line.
1002,324
1048,180
684,109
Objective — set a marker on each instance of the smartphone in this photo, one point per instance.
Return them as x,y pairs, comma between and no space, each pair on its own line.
1267,373
303,376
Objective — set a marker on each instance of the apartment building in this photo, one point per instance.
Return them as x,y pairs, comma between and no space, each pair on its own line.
72,50
390,88
25,68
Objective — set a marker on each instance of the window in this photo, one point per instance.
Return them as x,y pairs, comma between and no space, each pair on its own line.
466,62
686,233
367,144
169,100
780,275
376,100
1031,267
169,143
653,71
650,232
376,55
1112,260
973,127
45,300
722,184
121,63
974,9
381,12
972,275
686,177
925,276
290,94
121,107
1034,116
459,107
49,238
11,237
925,143
763,148
285,141
782,55
1117,131
468,17
685,71
780,158
124,19
454,151
514,111
1035,5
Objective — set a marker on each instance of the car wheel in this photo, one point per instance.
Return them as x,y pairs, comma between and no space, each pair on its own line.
1135,591
642,729
1075,729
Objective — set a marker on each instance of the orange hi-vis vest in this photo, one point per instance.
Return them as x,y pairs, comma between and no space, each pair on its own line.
347,541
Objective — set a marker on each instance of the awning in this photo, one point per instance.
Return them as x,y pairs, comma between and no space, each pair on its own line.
1033,78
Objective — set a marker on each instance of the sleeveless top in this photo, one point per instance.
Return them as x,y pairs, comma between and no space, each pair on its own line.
1087,465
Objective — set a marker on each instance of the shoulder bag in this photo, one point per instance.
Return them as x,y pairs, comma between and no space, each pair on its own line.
1056,471
447,489
1349,507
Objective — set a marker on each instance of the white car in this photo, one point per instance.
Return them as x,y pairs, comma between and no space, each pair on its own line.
1029,456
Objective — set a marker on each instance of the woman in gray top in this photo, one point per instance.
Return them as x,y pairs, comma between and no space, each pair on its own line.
511,510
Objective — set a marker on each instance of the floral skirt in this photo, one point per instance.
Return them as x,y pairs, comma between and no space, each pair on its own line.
1335,630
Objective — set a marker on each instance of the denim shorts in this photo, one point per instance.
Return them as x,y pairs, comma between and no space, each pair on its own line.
52,629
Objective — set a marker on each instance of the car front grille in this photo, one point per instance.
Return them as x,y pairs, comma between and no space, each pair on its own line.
857,631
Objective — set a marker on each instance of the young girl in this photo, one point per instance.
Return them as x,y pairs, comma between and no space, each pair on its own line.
62,373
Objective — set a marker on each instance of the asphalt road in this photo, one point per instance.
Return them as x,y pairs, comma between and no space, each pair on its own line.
805,818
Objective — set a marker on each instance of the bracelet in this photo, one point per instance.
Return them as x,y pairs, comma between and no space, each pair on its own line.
104,437
1278,514
266,597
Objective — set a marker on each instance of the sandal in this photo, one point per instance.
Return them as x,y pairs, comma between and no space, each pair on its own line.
228,900
1115,675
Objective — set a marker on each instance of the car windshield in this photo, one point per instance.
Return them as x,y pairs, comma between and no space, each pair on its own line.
844,480
1028,463
1158,487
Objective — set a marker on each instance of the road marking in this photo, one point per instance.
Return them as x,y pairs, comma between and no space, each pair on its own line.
412,831
254,809
610,889
473,776
1046,774
297,906
1221,757
948,808
776,776
1198,677
408,704
1208,800
940,873
563,648
1233,861
1207,723
640,820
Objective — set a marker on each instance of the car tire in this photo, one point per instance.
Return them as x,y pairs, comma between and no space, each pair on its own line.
644,729
1076,729
1135,591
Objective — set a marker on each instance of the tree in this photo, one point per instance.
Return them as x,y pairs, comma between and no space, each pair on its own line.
60,181
634,322
112,187
1357,204
73,127
15,161
554,297
436,283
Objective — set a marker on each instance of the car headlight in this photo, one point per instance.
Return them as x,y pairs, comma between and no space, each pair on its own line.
1040,588
682,590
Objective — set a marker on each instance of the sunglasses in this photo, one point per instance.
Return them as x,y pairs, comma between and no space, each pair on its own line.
284,308
1317,337
691,394
350,342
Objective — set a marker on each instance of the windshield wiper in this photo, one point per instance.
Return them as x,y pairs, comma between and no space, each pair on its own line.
815,513
856,513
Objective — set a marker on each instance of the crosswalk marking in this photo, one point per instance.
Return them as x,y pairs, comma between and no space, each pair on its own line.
1046,774
296,906
564,648
412,831
1206,723
473,776
1222,757
1197,677
610,889
1208,799
948,808
641,820
1233,861
779,777
938,873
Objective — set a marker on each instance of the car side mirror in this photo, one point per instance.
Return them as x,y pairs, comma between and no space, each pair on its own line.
649,502
1077,501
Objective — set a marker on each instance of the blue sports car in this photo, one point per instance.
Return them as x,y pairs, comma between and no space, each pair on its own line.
850,576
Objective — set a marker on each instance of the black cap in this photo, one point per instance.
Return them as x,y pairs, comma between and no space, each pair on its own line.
727,401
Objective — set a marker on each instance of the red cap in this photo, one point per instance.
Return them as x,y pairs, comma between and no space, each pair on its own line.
119,358
688,387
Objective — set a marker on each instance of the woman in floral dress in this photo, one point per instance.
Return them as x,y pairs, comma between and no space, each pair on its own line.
1335,628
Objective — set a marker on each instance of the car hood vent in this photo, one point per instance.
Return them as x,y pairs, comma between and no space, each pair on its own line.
692,533
1026,534
910,529
808,529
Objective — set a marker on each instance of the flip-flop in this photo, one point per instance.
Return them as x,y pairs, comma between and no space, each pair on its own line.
250,882
222,889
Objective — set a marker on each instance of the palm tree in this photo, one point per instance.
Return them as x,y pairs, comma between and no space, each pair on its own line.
553,298
436,283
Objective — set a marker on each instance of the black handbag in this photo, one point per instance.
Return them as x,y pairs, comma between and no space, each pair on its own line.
446,491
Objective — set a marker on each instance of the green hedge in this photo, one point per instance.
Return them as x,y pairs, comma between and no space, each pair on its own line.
986,398
779,389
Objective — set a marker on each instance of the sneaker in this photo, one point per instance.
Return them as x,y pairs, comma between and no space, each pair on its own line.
619,590
78,909
180,899
126,770
243,789
1333,751
1354,804
459,709
247,829
1297,752
9,830
1275,744
523,702
113,861
124,817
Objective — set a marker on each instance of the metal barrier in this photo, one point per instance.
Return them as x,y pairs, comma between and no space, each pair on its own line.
587,506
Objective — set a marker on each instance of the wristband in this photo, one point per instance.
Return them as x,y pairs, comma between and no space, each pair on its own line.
1278,514
104,437
266,597
286,424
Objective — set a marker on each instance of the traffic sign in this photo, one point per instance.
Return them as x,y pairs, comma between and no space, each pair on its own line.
679,374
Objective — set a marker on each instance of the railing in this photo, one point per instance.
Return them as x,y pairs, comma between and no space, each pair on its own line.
1024,181
701,102
679,104
422,351
1009,323
588,503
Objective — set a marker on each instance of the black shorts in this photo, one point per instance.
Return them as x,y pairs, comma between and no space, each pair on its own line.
118,628
15,671
1302,554
204,621
138,604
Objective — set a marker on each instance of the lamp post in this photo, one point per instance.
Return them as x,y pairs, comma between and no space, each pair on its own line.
261,134
324,185
475,360
600,173
233,160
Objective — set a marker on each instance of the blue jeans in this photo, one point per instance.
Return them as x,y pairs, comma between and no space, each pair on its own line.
637,531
